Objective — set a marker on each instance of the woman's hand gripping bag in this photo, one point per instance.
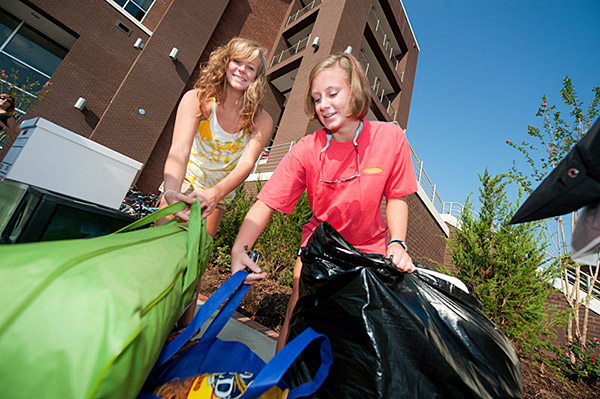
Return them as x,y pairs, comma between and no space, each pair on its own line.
398,335
88,318
209,368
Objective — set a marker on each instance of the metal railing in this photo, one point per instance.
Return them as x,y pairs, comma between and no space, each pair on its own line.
303,11
453,209
271,156
426,184
375,83
585,280
384,37
295,49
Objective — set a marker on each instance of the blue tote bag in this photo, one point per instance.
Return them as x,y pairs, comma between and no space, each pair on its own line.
213,355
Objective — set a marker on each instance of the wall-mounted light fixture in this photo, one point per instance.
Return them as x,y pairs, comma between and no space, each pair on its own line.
173,54
139,43
316,43
348,50
80,104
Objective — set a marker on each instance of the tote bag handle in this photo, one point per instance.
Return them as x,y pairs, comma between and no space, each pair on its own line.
274,371
230,293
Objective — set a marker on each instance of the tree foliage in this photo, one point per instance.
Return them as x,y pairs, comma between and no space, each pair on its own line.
546,147
500,264
25,93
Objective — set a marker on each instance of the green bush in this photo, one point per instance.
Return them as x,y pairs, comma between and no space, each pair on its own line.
278,244
233,218
501,264
580,361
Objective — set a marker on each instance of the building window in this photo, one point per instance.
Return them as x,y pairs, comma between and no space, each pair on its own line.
27,56
136,8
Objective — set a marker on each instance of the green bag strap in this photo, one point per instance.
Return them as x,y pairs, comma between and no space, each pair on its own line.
154,216
196,226
195,242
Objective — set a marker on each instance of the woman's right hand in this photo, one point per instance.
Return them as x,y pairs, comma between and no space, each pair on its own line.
209,199
240,261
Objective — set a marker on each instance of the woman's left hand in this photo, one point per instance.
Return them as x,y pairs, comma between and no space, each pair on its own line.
400,257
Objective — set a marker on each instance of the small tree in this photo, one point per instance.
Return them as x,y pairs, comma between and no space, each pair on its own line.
553,141
25,93
500,264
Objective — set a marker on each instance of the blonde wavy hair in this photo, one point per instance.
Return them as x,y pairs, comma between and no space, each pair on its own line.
360,97
213,77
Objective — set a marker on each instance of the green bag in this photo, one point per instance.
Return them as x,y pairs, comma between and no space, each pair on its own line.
87,318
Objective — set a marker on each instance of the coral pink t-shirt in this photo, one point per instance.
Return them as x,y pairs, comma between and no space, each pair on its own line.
352,207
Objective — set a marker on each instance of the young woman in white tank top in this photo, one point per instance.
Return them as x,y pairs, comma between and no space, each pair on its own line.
238,69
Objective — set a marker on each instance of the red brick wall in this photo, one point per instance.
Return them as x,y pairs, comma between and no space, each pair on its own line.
118,80
425,238
154,82
409,63
155,14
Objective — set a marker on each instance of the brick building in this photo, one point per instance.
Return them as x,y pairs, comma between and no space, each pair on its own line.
116,55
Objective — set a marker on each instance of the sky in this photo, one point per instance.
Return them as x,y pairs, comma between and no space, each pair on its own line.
483,67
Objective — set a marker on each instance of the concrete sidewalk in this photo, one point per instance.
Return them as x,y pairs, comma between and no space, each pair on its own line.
240,328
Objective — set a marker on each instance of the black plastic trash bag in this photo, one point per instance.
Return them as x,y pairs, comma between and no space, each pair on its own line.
397,335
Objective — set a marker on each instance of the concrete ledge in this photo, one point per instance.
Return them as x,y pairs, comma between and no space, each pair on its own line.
436,215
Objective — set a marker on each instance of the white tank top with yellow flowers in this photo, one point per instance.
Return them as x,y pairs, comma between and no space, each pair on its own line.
214,154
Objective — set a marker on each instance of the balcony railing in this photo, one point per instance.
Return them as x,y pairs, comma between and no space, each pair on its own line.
585,281
426,184
380,93
270,157
453,208
375,83
303,11
384,38
287,53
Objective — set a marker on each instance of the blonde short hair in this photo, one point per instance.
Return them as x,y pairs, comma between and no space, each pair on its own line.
213,77
360,92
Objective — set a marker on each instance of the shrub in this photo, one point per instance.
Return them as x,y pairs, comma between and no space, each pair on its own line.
278,244
580,361
501,265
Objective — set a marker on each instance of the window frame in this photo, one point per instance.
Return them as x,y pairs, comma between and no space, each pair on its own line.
48,30
130,17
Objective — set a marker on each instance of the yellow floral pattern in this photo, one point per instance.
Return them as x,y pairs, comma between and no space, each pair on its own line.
214,154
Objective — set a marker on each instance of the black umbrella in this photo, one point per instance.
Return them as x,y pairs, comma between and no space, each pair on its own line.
574,183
